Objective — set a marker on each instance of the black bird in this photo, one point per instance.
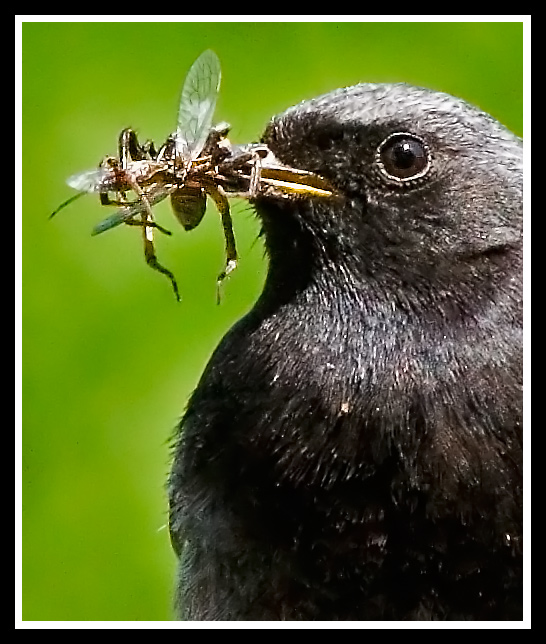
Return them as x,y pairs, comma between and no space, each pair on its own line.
353,450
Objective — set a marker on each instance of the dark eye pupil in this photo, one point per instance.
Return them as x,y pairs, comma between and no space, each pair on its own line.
403,157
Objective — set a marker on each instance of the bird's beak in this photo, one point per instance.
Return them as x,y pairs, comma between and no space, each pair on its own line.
276,177
265,175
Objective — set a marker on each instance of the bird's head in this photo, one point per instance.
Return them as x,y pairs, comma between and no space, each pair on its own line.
419,180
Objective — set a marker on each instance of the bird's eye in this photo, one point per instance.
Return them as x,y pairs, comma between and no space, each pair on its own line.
403,157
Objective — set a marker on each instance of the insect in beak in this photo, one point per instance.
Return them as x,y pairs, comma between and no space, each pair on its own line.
195,162
276,178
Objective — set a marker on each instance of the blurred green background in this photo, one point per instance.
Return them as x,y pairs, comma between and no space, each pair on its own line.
109,358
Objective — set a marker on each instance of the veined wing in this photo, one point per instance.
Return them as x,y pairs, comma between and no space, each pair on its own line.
87,181
197,105
126,213
91,180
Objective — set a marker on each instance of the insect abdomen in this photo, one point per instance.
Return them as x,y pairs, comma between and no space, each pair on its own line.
189,204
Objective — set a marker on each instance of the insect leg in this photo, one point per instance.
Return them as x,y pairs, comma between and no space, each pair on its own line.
151,259
106,201
148,224
222,203
232,167
148,149
255,175
147,212
128,147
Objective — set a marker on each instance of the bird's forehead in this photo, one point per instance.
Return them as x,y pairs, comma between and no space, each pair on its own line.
374,104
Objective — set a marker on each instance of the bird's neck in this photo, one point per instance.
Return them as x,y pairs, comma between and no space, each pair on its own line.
325,274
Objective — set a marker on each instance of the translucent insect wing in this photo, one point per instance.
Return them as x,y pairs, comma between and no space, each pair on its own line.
89,180
130,211
197,104
110,222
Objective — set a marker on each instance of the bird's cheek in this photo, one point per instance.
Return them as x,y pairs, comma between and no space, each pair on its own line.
355,187
350,177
